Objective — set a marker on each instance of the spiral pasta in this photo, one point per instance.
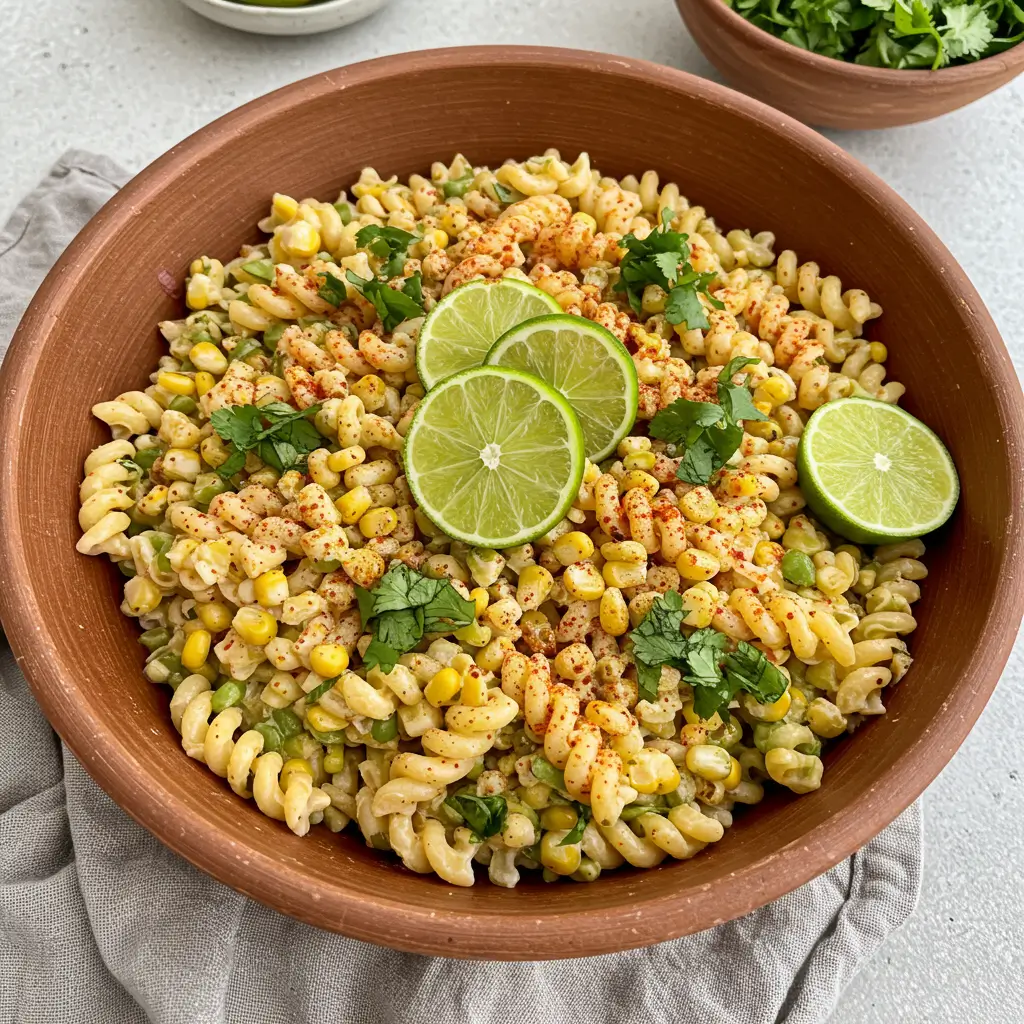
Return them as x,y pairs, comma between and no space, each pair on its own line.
531,718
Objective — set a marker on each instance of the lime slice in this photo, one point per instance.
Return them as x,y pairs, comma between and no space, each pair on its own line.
469,320
587,363
494,457
873,473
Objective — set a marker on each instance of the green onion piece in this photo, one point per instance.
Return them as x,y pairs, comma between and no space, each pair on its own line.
318,691
228,694
287,722
245,348
547,773
798,568
156,637
327,738
383,731
175,679
127,568
187,366
334,760
344,211
457,186
183,404
145,457
263,269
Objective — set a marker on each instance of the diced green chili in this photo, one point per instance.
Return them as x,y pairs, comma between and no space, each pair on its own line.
156,637
383,731
228,694
272,738
798,568
145,457
457,186
183,404
344,211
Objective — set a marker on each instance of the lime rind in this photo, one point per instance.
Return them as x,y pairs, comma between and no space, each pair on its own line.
846,481
461,328
555,347
540,453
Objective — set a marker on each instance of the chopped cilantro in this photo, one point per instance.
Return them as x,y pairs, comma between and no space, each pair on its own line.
575,834
280,435
393,305
484,815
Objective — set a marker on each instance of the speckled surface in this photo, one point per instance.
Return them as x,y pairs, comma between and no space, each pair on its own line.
132,77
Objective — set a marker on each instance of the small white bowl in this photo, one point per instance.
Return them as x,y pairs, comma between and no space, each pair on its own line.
285,21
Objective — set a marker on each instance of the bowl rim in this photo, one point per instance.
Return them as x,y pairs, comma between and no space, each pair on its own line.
377,916
867,75
256,10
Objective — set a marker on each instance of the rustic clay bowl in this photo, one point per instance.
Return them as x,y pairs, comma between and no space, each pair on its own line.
833,93
91,333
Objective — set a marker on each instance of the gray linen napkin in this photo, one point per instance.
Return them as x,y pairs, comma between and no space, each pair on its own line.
101,923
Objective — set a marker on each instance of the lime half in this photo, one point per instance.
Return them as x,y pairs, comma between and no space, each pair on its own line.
587,363
494,457
873,473
469,320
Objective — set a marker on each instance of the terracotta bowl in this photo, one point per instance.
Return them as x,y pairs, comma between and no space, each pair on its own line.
91,333
833,93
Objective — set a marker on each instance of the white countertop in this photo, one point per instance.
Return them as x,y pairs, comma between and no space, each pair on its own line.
131,77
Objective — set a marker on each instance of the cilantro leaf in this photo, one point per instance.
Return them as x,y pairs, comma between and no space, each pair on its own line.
280,435
749,669
484,815
648,679
263,269
400,587
400,629
700,462
505,195
675,422
544,771
332,289
379,655
658,640
447,610
684,305
389,245
575,834
393,306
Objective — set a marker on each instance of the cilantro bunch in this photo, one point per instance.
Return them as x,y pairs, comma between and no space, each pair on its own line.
715,673
710,432
390,247
892,33
663,258
402,608
281,436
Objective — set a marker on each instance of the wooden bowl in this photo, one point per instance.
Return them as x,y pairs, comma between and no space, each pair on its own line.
91,333
834,93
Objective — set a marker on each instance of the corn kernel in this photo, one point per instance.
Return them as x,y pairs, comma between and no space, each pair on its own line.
557,817
743,485
767,712
763,407
476,634
346,458
640,460
200,292
585,219
637,478
474,689
292,767
692,718
492,657
572,547
443,687
652,771
562,860
613,612
624,551
283,207
699,606
271,588
735,776
535,583
196,649
206,356
328,660
323,720
255,626
204,381
768,554
698,505
141,595
370,391
709,762
176,383
694,564
480,597
624,574
301,239
583,582
878,352
354,505
378,522
214,615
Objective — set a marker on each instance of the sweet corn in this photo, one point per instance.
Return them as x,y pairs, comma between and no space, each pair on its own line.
613,612
624,551
346,458
300,239
443,687
698,505
214,615
206,356
774,391
255,626
692,718
474,689
768,554
480,597
354,505
141,595
878,352
652,771
709,762
572,547
694,564
271,588
743,485
624,574
767,712
182,464
370,391
378,522
535,583
323,720
562,860
328,660
196,649
763,407
560,816
586,219
283,208
735,776
492,657
640,460
204,381
699,606
476,634
176,383
292,767
200,292
583,582
637,478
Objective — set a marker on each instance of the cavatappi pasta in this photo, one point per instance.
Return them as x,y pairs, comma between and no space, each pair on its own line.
247,593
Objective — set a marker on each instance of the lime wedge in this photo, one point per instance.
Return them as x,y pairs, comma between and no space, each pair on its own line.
494,457
469,320
873,473
587,363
